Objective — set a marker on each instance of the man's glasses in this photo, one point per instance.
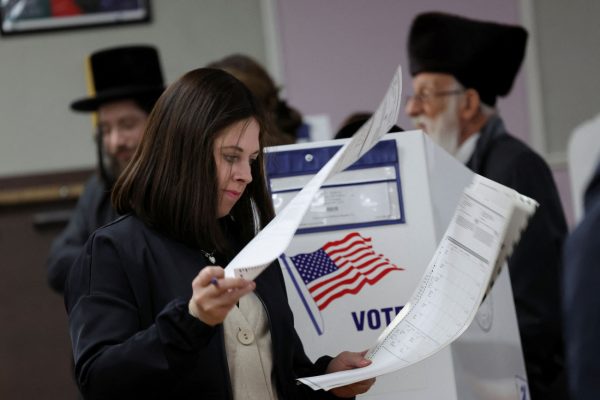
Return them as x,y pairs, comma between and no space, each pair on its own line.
425,98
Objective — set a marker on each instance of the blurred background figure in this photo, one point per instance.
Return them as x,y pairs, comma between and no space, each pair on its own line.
286,121
581,258
354,121
459,68
125,83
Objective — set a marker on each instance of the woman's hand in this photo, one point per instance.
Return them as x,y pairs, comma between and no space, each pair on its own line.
214,295
349,360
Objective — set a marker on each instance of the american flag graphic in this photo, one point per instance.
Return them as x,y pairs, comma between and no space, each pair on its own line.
341,267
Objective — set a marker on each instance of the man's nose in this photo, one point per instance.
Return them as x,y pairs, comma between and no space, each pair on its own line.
114,137
412,108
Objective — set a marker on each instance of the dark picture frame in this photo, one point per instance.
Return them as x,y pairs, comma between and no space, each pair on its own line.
27,16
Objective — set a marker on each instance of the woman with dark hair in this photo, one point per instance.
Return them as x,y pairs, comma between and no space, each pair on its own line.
151,314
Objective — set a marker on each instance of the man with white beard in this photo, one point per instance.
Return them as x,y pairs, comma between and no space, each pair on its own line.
459,68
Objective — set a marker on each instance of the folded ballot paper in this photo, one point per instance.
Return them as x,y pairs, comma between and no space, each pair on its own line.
486,225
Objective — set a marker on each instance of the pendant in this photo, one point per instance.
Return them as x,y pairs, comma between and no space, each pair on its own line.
209,256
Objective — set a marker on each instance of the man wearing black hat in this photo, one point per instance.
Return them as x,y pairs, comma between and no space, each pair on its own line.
459,67
125,84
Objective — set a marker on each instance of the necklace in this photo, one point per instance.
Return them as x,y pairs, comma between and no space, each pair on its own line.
209,256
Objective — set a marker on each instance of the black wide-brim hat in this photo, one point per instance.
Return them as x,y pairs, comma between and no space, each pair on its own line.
481,55
127,72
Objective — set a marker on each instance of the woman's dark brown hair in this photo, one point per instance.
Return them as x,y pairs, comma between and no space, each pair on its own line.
171,181
287,120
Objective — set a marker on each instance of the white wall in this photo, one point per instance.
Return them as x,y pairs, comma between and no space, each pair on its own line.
332,57
340,55
567,37
40,74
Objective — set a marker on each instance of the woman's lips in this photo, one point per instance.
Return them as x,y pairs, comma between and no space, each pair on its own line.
233,194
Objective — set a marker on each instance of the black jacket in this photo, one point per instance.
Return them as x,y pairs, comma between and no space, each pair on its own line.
581,301
93,210
535,266
133,337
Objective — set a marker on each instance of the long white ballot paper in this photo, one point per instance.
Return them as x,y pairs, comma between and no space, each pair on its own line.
486,225
273,239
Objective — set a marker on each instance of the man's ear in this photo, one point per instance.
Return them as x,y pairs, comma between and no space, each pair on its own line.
469,105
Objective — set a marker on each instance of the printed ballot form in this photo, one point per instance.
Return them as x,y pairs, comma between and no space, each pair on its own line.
486,225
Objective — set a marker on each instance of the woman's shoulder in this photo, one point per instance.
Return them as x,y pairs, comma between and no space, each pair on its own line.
125,226
131,235
128,231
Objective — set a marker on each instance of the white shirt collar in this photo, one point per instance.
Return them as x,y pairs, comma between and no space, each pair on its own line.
465,151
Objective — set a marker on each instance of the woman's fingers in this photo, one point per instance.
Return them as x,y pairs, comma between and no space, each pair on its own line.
207,273
214,295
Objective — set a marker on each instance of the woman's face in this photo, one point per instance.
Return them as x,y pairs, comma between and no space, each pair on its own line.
235,149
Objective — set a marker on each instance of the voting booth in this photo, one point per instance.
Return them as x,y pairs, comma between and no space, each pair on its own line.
386,213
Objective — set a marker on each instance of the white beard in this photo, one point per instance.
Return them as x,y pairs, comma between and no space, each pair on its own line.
444,130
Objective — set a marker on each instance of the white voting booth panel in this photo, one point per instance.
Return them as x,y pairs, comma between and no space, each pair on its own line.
389,210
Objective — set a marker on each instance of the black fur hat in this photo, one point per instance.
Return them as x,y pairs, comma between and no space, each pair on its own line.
481,55
121,73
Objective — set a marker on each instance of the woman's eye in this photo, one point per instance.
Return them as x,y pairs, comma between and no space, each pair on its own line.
230,159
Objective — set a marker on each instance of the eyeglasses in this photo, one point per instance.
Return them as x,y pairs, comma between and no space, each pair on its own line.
426,97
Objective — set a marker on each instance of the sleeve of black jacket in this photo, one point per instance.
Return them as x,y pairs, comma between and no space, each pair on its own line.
115,356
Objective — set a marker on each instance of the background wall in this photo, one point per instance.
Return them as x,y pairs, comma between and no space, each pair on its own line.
40,74
332,57
339,55
567,38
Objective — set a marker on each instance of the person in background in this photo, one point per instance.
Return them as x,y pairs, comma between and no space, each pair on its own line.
581,303
287,120
354,122
151,313
459,67
125,84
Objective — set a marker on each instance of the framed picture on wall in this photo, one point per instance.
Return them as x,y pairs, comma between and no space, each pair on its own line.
24,16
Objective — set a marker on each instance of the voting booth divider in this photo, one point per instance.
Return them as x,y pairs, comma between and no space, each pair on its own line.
361,250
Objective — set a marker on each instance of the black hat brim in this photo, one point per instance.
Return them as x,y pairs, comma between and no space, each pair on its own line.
107,96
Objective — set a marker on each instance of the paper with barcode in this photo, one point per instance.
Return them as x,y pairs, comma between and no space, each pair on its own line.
488,221
273,239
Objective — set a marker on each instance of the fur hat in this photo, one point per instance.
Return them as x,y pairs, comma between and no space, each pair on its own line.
481,55
121,73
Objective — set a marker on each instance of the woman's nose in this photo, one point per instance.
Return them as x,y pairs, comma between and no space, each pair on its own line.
243,173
